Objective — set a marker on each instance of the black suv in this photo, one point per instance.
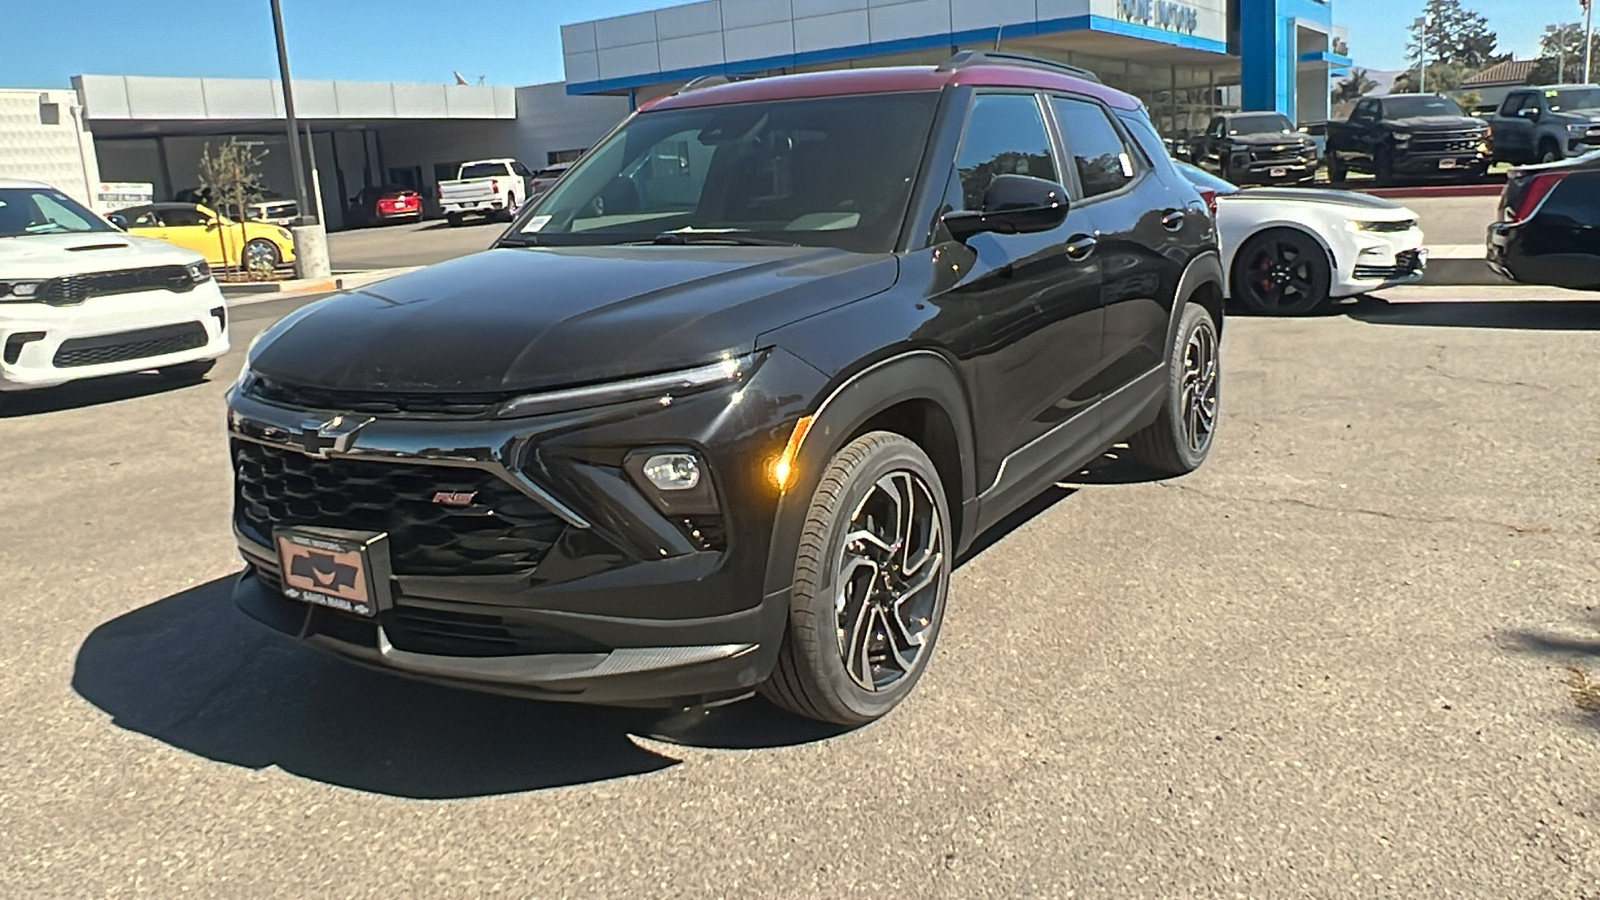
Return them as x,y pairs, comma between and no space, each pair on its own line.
1255,148
719,412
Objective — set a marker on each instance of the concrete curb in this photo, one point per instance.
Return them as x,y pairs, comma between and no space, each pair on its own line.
261,292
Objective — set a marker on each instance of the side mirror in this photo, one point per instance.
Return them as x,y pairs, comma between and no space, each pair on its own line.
1013,204
118,220
1531,113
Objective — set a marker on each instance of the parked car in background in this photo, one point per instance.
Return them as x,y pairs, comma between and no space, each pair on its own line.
492,188
1409,136
383,205
224,242
1291,251
1255,148
281,211
720,411
80,299
1546,124
1549,226
545,178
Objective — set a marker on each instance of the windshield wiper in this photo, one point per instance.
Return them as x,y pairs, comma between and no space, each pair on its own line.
716,237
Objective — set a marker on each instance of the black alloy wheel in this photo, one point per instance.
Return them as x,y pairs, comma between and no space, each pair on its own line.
1180,438
871,578
1282,272
1549,153
1336,169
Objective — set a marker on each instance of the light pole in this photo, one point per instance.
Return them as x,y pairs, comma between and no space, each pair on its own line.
310,238
1553,32
1421,24
1588,41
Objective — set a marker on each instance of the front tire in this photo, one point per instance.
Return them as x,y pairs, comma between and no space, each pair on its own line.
261,255
1178,441
1383,166
871,578
1282,272
1337,173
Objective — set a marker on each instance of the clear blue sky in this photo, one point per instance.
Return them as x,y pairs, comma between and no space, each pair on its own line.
512,42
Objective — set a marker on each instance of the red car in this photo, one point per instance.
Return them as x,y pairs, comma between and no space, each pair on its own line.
385,204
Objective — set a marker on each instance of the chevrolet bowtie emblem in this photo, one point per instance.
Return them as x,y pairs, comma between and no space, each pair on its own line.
316,439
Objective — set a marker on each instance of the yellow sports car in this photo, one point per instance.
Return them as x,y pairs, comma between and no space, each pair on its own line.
255,246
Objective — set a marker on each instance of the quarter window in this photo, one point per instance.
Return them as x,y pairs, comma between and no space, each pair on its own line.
1005,136
173,218
1102,159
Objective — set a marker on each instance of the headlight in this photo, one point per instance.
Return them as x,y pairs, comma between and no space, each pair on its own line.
19,291
199,273
663,387
286,234
1577,130
1402,139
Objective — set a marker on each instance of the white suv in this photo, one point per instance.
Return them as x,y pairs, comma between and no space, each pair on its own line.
81,299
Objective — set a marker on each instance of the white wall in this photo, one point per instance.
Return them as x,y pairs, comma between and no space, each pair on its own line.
61,154
549,119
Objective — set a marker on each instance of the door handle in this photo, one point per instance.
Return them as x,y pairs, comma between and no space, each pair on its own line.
1081,247
1173,220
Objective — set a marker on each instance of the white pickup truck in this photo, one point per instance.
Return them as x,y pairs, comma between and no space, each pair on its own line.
492,188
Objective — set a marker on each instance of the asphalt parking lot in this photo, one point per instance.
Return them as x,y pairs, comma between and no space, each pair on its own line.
1333,662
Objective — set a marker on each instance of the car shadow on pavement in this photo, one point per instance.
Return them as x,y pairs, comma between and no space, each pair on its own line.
1531,315
86,393
195,673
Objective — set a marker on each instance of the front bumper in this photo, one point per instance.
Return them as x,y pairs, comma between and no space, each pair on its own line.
1514,252
1273,172
1441,164
43,345
562,577
1381,260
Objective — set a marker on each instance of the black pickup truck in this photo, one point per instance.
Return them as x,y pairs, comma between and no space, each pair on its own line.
1544,124
1409,136
1255,148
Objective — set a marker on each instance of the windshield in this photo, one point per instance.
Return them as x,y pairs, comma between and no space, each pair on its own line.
1578,98
1406,107
827,171
483,170
1200,178
25,211
1270,123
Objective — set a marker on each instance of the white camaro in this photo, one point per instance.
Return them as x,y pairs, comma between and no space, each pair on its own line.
81,299
1291,251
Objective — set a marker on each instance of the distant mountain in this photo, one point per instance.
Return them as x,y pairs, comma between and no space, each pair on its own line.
1385,80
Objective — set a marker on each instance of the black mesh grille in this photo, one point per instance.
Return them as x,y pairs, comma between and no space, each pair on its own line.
451,633
1391,227
502,531
1406,262
1290,153
71,289
123,346
376,404
1455,142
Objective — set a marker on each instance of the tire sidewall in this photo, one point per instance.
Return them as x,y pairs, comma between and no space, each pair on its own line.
901,454
1322,280
1194,317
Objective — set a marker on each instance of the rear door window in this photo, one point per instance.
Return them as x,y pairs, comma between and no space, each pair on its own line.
1103,161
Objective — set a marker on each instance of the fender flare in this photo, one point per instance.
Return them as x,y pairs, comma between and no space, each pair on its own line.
914,375
1204,269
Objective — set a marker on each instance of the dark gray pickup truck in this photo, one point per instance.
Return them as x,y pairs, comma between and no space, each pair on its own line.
1544,124
1411,136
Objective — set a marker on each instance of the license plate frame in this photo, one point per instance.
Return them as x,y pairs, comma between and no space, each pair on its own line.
335,568
1447,164
1277,172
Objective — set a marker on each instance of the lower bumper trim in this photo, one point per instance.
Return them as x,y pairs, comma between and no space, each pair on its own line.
552,668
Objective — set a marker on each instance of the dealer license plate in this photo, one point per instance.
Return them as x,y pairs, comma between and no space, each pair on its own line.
339,569
1447,164
1278,172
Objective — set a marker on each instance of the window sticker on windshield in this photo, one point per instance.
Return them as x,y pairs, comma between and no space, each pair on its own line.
1550,93
535,224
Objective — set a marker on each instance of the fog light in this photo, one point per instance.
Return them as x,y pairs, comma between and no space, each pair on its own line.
673,471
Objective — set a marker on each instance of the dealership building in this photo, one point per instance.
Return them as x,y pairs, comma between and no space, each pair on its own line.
1186,59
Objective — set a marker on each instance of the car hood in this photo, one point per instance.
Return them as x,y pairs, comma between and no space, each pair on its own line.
49,255
1269,140
516,319
1580,115
1313,195
1435,123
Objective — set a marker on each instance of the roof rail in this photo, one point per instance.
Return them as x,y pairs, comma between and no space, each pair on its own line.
704,81
992,57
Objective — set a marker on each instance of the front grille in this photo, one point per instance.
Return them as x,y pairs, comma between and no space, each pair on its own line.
1449,142
503,532
1406,262
72,289
419,405
451,633
1289,153
127,345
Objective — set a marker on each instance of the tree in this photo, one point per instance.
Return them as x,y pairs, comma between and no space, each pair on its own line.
1454,35
1441,77
1561,55
1354,87
231,177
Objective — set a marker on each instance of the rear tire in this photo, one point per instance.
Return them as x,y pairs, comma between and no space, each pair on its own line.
187,372
511,207
1179,440
872,574
1383,167
1336,170
454,219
